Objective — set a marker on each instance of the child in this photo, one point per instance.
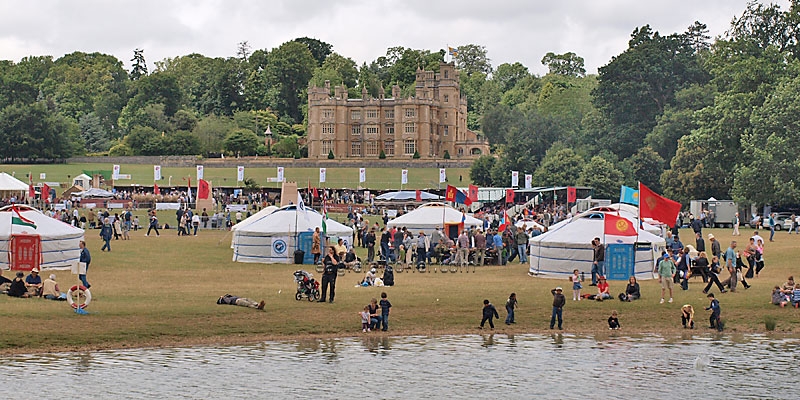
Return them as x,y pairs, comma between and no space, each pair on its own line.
364,319
613,321
489,312
558,307
796,296
778,298
511,304
576,285
687,316
136,223
385,306
714,319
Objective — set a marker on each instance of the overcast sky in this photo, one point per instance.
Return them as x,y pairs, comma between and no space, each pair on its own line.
511,30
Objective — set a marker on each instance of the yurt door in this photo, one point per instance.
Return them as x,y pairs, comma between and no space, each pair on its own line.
305,240
26,252
619,261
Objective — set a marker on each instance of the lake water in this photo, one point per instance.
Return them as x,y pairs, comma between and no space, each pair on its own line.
469,366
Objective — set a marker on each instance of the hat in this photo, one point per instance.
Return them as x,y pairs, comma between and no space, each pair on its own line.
52,277
20,274
35,270
559,288
710,236
601,277
373,270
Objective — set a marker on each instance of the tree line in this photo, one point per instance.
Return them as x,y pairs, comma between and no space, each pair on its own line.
686,114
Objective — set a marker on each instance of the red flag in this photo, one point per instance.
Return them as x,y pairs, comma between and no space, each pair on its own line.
316,193
156,190
456,196
203,190
31,190
509,195
45,193
659,208
505,222
419,195
473,193
618,226
572,195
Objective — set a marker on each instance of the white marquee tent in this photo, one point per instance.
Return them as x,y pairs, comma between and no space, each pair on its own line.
428,216
59,241
11,186
273,238
567,246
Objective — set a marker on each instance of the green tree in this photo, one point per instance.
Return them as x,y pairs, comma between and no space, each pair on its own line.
241,142
678,120
646,166
94,136
211,131
481,171
319,49
139,68
289,69
144,140
603,176
560,167
508,75
471,58
286,147
567,64
183,120
31,131
181,143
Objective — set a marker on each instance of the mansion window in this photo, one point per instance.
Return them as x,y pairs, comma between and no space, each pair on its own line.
409,147
445,115
328,128
355,114
372,129
371,149
446,130
356,129
446,98
390,129
389,114
388,147
327,146
410,127
372,114
327,113
355,149
411,112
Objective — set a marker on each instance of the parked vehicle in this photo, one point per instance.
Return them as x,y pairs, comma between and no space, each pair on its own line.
720,212
783,220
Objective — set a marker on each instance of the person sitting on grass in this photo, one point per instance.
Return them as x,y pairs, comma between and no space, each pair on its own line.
796,296
33,283
240,301
18,288
631,290
5,283
350,259
778,297
602,289
50,289
369,278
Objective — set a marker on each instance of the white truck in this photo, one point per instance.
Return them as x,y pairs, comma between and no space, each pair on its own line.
722,211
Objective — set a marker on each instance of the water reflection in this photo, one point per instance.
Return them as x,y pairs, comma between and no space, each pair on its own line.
493,365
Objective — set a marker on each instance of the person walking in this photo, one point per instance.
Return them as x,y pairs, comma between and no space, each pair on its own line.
153,224
666,274
772,227
489,313
735,222
85,258
511,304
106,232
730,265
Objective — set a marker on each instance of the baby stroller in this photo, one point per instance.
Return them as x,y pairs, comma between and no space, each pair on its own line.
388,276
307,286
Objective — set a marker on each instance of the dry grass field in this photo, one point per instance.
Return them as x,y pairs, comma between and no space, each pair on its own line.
161,291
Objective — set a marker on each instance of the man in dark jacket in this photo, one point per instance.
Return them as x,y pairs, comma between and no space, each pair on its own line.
558,306
106,232
598,260
700,243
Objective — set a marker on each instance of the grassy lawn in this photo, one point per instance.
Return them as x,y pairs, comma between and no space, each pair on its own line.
158,291
377,178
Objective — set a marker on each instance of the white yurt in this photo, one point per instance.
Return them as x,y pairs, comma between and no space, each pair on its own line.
58,242
274,238
251,219
568,246
428,216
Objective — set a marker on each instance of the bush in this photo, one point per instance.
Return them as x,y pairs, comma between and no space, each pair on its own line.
770,322
330,155
446,155
382,156
120,149
416,155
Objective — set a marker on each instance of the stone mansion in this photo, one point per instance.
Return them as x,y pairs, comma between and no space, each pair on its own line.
432,122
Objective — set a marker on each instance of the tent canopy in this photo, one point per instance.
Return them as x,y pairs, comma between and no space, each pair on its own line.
95,193
567,246
429,216
9,183
59,240
274,237
407,195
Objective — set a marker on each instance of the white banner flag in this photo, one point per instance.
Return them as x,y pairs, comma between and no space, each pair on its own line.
280,174
115,174
528,181
240,173
199,172
322,175
514,178
442,175
156,172
362,175
404,177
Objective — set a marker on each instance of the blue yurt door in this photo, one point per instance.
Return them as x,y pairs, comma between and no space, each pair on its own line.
619,261
304,242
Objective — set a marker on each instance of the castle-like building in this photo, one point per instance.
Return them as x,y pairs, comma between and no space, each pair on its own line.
432,123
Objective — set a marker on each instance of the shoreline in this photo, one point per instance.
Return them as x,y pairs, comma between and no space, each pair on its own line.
241,340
